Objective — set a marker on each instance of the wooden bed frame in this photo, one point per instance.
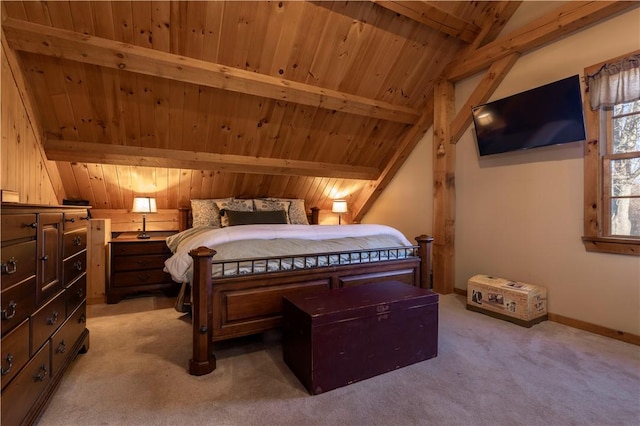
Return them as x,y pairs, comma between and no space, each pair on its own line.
228,307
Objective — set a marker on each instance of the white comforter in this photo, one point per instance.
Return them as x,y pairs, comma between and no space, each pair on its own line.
179,265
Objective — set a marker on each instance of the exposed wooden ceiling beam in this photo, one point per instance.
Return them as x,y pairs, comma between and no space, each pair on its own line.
45,40
562,21
434,17
89,152
498,14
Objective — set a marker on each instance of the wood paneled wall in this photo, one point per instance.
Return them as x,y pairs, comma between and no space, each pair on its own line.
23,160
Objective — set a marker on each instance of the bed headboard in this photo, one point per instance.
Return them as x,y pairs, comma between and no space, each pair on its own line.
186,218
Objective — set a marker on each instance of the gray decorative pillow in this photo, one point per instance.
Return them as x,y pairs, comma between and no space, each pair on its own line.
234,204
255,217
206,212
297,210
269,205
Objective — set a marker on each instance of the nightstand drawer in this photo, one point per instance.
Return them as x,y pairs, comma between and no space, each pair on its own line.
134,263
145,248
140,278
137,265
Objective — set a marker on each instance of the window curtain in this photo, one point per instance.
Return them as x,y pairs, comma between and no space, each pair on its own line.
615,83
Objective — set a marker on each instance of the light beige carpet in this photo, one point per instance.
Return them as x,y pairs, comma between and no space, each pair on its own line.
488,372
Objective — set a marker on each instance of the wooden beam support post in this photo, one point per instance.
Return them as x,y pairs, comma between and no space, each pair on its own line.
444,190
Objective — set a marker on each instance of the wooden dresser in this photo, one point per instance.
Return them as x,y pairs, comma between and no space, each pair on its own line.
43,303
137,265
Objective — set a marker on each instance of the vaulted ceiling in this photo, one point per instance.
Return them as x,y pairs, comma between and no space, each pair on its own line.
190,99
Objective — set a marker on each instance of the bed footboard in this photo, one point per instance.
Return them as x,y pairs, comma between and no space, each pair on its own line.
228,307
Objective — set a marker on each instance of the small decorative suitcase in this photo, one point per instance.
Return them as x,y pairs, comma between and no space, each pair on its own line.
345,335
520,303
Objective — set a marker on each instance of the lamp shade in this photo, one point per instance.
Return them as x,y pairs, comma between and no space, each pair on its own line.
144,205
339,206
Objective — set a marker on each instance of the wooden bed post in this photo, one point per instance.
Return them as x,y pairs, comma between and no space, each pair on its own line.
315,216
424,251
203,361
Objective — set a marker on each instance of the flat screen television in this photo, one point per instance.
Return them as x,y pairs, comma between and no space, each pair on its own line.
547,115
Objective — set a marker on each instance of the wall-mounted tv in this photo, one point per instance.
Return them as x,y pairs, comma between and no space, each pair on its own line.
547,115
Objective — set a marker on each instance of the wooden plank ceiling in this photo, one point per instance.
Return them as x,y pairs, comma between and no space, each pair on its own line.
190,99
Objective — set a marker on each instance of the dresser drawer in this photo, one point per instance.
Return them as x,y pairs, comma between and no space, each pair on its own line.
74,220
140,278
134,263
74,266
76,293
18,263
145,248
74,242
15,352
23,391
47,320
18,226
17,303
65,338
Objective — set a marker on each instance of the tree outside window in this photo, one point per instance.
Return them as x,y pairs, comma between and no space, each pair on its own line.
623,163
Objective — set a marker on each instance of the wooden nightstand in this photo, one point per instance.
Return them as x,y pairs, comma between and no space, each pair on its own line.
136,265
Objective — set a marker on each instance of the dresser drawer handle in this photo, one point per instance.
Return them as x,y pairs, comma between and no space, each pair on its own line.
77,241
62,348
11,267
53,318
143,262
9,313
72,220
87,217
144,277
82,319
78,265
79,293
8,363
45,258
41,375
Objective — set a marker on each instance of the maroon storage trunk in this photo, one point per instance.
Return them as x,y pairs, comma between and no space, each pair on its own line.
344,335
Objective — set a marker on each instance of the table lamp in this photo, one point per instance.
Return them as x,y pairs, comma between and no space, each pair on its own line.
144,205
339,206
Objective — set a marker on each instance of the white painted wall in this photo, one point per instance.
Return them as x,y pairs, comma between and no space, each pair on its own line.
520,215
407,202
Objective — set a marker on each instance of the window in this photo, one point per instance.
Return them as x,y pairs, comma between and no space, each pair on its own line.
612,156
621,165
